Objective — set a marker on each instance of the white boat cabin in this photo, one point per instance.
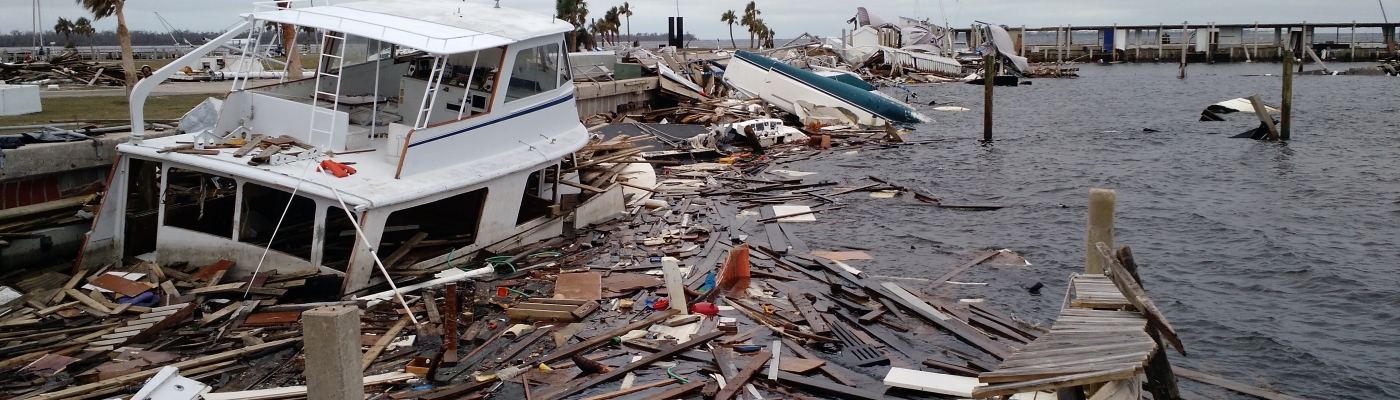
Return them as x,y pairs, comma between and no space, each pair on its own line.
454,115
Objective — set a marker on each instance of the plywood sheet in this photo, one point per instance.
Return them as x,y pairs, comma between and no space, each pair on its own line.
579,286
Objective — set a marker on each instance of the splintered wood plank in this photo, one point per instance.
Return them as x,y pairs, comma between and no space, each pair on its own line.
272,318
733,386
125,287
389,336
1228,384
1138,297
248,147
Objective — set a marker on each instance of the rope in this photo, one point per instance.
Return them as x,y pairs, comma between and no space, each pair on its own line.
1065,303
382,269
272,238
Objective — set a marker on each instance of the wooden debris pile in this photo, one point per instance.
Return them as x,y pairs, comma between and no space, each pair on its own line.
63,68
703,288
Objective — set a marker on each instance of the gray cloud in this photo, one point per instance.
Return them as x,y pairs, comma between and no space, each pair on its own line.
790,17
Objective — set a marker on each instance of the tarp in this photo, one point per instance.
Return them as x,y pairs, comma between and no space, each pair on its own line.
1001,44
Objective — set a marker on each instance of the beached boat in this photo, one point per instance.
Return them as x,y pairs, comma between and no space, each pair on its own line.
432,127
784,85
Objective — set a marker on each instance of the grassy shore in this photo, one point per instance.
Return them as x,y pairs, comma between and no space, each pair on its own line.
105,107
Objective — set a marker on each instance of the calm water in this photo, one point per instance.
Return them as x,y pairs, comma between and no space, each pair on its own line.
1276,263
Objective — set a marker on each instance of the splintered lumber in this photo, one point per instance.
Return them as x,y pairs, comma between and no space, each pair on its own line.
300,391
636,389
1229,384
1006,389
677,392
740,379
88,301
96,389
619,371
373,352
601,338
1136,295
403,250
831,370
940,280
819,385
248,147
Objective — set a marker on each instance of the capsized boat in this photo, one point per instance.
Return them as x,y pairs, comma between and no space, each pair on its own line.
783,85
432,129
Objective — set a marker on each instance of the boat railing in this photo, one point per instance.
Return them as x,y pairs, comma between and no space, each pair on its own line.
436,44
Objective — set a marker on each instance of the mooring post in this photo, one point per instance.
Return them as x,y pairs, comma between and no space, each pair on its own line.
1286,113
333,347
1160,378
1100,228
449,325
989,64
1183,52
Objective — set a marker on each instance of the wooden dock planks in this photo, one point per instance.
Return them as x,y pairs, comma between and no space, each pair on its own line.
1083,346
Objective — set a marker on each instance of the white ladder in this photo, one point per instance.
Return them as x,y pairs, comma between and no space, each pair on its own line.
425,108
323,119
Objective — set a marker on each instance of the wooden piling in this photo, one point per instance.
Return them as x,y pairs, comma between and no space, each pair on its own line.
1160,378
335,351
1100,228
1183,52
989,64
1286,112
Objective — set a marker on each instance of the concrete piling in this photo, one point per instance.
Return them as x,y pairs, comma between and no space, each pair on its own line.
332,344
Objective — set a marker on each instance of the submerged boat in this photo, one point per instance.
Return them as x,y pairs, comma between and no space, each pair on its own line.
431,129
784,85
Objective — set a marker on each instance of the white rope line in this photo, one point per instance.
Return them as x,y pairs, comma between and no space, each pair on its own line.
1064,304
281,219
361,234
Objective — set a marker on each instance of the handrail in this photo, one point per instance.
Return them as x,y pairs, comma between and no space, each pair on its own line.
145,86
429,40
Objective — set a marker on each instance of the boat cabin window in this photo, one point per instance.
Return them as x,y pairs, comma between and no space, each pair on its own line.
536,70
538,196
340,239
467,85
263,207
449,223
200,202
142,206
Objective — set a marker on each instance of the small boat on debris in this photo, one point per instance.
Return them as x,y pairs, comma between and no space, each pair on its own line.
784,85
433,127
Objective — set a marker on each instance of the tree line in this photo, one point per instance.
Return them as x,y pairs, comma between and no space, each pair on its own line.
77,38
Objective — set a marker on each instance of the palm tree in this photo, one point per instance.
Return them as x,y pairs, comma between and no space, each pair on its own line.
83,27
730,18
751,20
289,46
626,12
105,8
574,12
611,17
64,27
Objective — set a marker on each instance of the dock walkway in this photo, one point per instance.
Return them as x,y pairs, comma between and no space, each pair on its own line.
1099,338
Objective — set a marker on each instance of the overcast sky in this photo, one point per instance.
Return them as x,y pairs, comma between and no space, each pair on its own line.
790,18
